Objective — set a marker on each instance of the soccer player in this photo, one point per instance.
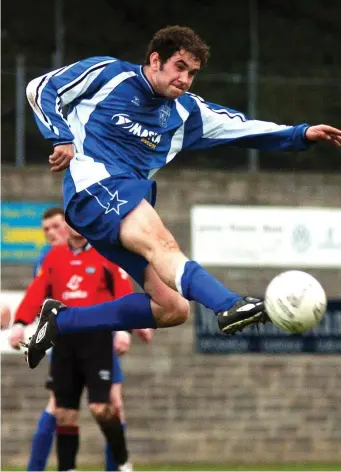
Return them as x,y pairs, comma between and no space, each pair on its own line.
124,122
80,276
56,233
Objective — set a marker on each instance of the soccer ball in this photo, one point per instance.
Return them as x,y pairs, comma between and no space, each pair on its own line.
295,301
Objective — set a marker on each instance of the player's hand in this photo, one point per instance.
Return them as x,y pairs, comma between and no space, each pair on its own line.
324,133
122,342
17,336
146,334
61,157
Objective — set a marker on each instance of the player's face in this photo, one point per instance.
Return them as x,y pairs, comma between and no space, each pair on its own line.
174,77
55,230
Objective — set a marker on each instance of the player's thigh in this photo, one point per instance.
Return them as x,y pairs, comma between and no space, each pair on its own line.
97,365
142,231
67,378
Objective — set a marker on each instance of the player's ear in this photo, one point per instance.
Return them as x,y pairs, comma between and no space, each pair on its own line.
154,61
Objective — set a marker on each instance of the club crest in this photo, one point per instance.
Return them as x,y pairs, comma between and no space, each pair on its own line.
164,114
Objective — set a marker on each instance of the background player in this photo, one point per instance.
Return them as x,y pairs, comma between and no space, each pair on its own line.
56,232
80,276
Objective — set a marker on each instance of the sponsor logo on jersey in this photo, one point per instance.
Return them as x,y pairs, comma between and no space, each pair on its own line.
74,282
150,138
76,262
90,270
76,294
136,101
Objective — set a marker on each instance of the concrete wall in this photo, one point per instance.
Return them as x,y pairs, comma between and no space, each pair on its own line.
186,407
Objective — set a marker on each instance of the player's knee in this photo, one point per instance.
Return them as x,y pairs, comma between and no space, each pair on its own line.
101,411
174,314
66,417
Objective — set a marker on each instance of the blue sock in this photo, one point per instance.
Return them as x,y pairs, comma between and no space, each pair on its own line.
129,312
197,284
109,461
42,442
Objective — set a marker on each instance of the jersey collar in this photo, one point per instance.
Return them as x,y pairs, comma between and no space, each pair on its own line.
87,246
148,89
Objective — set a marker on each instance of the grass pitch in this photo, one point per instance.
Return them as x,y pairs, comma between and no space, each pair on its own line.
290,467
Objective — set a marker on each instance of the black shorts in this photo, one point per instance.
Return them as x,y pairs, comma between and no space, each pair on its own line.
81,360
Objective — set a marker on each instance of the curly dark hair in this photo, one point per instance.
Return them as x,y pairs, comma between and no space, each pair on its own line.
167,41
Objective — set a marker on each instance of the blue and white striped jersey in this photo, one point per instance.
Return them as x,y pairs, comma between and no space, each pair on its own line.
118,124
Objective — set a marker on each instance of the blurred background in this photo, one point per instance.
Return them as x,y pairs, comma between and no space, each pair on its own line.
188,402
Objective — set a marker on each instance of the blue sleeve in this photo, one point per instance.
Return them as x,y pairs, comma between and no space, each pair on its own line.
211,125
49,93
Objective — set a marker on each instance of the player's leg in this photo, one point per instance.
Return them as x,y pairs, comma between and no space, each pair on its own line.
143,232
113,432
67,435
117,405
43,437
68,384
146,240
97,363
115,212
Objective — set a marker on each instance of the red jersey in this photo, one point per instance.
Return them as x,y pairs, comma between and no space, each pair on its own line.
75,277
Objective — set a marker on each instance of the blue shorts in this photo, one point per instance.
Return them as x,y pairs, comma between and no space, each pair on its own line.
97,211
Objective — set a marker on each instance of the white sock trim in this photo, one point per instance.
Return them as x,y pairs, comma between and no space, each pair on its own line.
178,276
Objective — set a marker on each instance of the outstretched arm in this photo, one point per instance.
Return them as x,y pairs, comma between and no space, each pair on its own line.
211,125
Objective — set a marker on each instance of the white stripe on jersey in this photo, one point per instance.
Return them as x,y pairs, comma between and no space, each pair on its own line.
80,115
85,171
178,137
74,89
34,97
229,126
